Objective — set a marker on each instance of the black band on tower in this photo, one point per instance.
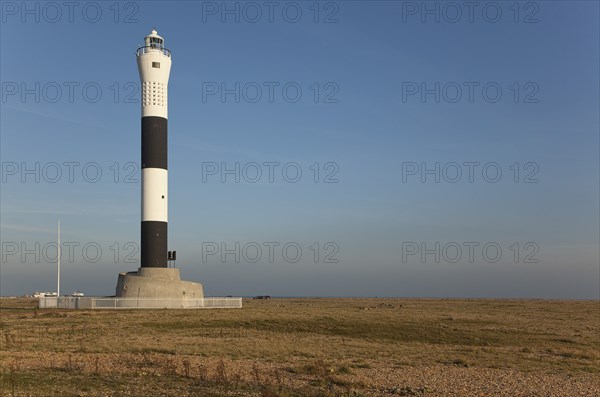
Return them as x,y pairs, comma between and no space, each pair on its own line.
153,251
154,142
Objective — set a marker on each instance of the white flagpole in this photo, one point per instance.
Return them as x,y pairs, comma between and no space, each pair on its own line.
58,263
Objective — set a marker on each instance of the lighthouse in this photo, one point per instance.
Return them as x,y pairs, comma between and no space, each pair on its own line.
154,284
154,66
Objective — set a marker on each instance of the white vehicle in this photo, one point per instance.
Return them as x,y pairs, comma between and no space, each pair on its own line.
38,294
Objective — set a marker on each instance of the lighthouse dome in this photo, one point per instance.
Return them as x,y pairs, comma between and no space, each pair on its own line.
153,40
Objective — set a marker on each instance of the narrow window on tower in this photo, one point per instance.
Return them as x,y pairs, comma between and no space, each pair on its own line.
156,65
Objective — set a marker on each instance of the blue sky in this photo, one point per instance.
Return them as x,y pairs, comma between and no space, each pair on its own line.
533,71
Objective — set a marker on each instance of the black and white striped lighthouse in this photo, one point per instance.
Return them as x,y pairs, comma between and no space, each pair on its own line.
154,65
154,284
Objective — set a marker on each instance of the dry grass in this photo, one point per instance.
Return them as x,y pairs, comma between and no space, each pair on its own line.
305,347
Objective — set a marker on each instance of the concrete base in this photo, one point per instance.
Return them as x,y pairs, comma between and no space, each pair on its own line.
148,288
157,283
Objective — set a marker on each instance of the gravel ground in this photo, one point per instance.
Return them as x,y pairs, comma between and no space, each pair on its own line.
378,379
445,380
